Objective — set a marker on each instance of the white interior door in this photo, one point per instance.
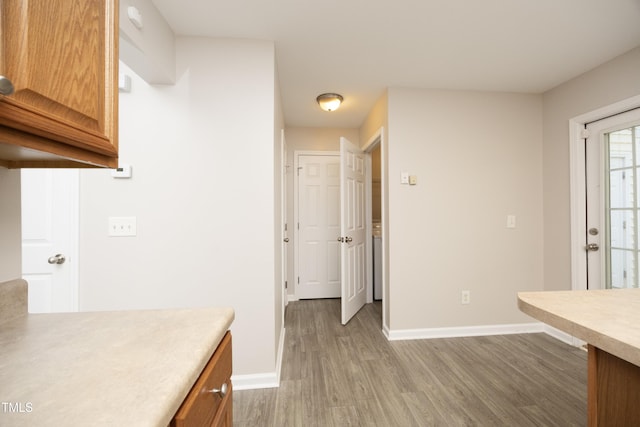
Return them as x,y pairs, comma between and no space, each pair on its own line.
49,238
353,229
613,201
319,226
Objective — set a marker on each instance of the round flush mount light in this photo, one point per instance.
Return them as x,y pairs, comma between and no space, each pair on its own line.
329,101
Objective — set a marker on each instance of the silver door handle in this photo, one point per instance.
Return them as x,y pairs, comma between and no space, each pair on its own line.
341,239
592,247
57,259
348,239
286,240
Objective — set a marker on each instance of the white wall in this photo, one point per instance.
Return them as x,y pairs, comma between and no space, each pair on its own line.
607,84
202,190
478,158
10,232
150,50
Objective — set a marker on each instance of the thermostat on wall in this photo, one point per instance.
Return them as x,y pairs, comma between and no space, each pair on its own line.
122,171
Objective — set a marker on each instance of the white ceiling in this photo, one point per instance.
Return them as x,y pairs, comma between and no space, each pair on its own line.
360,47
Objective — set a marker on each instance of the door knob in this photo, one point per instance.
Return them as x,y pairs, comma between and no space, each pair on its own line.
286,240
6,87
348,239
592,247
57,259
341,239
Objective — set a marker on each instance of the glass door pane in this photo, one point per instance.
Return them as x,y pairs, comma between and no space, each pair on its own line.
622,207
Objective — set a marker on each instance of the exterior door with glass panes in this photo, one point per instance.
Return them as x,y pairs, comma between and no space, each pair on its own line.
613,201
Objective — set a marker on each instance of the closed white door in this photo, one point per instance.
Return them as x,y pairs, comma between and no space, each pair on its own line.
613,201
49,238
353,229
319,226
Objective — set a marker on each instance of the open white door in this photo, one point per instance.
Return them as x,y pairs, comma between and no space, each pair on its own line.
50,238
352,229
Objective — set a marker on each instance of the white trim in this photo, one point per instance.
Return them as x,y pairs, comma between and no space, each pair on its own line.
267,380
560,335
74,251
577,186
464,331
255,381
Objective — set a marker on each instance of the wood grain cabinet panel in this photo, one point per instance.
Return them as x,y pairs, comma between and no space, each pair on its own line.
203,406
62,58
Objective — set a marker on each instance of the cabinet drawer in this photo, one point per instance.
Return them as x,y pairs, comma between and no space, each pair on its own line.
201,405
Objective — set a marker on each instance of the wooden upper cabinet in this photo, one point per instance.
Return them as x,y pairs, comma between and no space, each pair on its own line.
62,58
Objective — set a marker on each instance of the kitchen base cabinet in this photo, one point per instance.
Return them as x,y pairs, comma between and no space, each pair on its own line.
613,390
209,403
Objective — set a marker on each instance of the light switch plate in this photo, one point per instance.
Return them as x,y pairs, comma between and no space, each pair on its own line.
511,221
404,177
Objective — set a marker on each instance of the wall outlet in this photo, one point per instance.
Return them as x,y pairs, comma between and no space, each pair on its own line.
122,226
465,297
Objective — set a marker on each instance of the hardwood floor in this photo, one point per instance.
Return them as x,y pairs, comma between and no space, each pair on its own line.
334,376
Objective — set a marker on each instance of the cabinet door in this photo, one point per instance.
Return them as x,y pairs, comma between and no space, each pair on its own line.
61,56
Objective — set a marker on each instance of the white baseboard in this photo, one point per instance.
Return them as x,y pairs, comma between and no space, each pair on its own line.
266,380
560,335
464,331
255,381
291,297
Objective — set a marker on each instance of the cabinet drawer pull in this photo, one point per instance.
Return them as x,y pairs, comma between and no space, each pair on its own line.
6,87
222,391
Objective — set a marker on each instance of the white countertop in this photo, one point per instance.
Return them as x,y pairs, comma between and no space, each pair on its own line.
608,319
127,368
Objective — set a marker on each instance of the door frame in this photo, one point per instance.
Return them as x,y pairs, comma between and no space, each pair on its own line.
378,139
578,188
296,209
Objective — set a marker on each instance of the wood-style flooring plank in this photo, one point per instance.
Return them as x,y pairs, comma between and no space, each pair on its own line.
334,375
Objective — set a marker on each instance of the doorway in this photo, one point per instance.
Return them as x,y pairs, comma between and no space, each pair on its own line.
317,218
612,147
379,292
588,262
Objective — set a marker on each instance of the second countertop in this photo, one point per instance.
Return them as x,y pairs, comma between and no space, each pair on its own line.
608,319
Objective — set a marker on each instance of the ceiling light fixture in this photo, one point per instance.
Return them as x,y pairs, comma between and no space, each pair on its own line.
329,101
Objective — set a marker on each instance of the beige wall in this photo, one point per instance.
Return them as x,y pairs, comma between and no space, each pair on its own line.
478,158
609,83
10,232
